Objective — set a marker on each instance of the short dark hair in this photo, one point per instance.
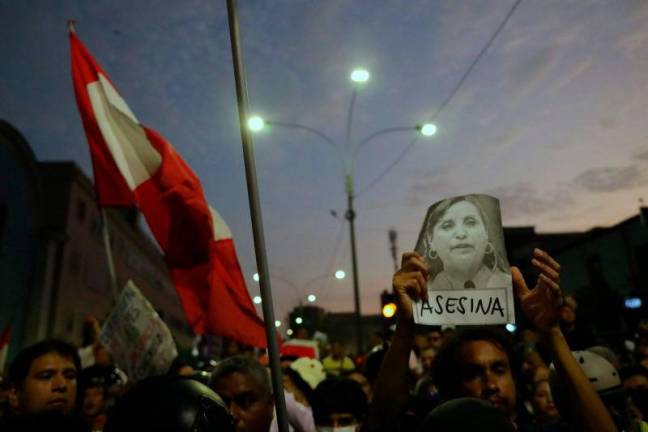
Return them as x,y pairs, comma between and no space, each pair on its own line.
243,365
338,395
446,367
22,363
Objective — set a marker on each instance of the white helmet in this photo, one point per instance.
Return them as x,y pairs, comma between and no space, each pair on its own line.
600,372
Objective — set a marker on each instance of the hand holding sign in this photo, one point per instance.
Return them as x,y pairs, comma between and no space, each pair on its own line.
540,305
410,283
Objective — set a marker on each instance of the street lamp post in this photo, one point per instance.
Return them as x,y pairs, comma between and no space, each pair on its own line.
358,76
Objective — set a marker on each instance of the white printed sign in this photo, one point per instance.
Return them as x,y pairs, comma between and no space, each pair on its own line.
136,336
462,242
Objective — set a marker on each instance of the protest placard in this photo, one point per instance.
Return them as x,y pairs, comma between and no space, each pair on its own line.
139,341
462,242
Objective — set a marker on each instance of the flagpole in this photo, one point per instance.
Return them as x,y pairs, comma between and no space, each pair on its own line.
104,221
257,222
109,256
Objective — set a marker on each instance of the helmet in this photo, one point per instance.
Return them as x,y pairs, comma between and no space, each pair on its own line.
170,404
600,372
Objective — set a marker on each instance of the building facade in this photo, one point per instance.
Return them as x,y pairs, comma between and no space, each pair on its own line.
53,257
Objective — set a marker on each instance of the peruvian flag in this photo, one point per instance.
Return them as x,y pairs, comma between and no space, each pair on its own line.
134,165
5,338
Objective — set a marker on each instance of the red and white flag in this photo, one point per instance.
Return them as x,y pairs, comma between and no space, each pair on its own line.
5,338
134,165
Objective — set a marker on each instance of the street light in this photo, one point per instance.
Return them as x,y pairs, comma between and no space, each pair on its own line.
256,123
340,274
257,299
312,298
299,320
277,323
349,153
428,129
360,75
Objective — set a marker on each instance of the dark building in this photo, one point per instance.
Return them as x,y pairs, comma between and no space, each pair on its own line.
602,268
53,261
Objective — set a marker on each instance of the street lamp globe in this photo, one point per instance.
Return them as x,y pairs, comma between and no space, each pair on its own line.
257,299
311,298
289,332
360,75
299,320
340,274
255,276
428,129
256,123
277,323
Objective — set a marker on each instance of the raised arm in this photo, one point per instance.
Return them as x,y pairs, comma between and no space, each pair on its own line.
392,385
540,305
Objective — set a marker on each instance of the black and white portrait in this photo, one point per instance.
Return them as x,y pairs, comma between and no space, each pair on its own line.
462,242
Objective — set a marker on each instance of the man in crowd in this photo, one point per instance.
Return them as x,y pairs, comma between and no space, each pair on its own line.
245,387
337,362
43,377
482,366
339,404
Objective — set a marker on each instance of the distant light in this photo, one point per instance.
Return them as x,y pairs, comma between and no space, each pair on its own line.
299,320
510,327
360,75
311,298
257,299
428,129
289,332
340,274
277,323
255,276
632,303
256,123
389,310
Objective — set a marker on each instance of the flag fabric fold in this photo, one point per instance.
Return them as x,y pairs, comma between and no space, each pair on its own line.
135,165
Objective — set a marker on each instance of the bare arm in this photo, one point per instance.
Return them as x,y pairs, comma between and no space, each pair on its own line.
392,385
541,305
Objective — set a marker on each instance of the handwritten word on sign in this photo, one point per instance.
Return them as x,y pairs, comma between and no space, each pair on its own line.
483,306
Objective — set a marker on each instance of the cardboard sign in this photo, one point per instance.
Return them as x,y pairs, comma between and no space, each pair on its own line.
136,336
462,242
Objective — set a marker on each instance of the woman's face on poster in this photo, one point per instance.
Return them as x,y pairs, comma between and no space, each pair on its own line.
460,237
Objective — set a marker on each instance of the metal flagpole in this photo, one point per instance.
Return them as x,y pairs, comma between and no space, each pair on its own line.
257,223
109,257
104,222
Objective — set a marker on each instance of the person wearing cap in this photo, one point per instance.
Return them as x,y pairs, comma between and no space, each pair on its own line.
482,367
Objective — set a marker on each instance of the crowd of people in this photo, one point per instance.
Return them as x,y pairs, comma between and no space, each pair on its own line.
549,375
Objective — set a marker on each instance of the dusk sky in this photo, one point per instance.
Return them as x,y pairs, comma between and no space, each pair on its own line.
552,120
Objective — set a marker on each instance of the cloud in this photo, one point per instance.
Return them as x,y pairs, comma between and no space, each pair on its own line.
633,45
643,156
533,69
611,179
578,69
524,200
